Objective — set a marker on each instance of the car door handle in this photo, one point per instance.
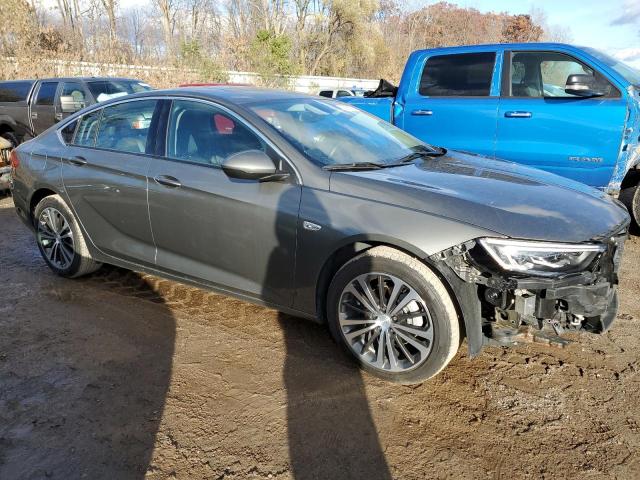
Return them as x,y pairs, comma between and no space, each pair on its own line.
424,113
58,116
78,161
168,181
517,114
34,115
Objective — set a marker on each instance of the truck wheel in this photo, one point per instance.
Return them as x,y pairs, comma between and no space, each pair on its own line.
630,196
60,240
11,137
394,315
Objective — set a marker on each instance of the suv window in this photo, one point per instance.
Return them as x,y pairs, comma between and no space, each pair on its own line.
203,133
544,74
47,93
106,89
459,75
87,128
124,127
326,93
14,91
75,90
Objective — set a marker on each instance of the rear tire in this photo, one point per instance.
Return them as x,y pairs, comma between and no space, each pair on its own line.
418,337
60,239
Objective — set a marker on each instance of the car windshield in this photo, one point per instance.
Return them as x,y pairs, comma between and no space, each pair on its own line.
332,133
106,89
629,73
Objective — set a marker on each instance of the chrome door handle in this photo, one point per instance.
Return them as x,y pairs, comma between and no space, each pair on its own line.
34,115
168,181
58,116
517,114
424,113
78,161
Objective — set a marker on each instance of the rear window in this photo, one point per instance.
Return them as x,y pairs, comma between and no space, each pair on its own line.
14,91
125,127
461,75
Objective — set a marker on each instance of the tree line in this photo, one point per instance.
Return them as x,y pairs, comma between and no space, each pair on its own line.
355,38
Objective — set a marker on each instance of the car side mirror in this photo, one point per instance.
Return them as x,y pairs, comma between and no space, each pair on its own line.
252,165
582,85
69,105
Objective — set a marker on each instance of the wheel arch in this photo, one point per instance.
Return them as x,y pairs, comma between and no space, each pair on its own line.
464,295
36,198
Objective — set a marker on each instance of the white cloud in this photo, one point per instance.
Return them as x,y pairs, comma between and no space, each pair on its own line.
630,15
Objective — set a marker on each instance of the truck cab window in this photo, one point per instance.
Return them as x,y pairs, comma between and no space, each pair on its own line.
47,93
74,90
458,75
544,74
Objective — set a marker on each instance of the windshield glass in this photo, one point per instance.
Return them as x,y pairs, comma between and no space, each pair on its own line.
333,133
629,73
106,89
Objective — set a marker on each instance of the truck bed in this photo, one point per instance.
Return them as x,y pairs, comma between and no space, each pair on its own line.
380,107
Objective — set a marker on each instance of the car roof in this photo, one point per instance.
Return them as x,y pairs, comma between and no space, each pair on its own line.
504,46
82,79
234,94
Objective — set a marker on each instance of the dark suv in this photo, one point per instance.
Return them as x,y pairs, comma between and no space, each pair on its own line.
29,107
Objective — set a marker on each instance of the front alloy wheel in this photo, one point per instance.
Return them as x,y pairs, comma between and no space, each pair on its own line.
393,314
386,322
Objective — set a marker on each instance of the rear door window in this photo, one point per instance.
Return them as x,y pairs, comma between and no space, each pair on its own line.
47,93
125,127
459,75
87,129
202,133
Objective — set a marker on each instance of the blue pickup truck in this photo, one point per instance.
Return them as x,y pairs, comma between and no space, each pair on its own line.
569,110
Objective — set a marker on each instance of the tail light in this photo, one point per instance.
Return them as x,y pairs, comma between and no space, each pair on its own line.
14,160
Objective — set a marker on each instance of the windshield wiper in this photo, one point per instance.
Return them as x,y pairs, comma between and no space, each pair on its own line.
354,166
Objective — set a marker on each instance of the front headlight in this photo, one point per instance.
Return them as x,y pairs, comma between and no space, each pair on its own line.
541,258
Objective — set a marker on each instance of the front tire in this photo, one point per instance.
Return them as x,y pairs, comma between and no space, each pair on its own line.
630,196
60,239
394,315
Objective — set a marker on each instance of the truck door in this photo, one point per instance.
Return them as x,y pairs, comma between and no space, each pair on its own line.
42,107
452,103
541,125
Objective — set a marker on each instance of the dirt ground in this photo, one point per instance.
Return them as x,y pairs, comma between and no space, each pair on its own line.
122,375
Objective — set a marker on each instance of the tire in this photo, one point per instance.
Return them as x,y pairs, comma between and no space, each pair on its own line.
11,137
433,317
54,223
630,196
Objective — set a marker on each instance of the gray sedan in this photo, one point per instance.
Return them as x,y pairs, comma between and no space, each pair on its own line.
320,210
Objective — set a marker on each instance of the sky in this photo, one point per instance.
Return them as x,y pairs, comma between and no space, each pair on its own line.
609,25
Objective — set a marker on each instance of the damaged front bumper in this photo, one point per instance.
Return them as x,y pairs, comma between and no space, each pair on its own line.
509,303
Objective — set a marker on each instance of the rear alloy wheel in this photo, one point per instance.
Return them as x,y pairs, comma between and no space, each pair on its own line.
394,315
60,240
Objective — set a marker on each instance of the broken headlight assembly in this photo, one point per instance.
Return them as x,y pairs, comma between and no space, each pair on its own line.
541,258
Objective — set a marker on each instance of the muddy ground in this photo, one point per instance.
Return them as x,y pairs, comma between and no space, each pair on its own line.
122,375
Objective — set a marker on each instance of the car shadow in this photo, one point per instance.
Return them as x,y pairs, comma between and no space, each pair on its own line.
85,367
331,432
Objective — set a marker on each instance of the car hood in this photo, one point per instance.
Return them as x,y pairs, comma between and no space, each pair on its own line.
507,198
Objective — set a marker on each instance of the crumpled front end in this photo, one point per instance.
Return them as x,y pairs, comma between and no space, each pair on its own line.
515,305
